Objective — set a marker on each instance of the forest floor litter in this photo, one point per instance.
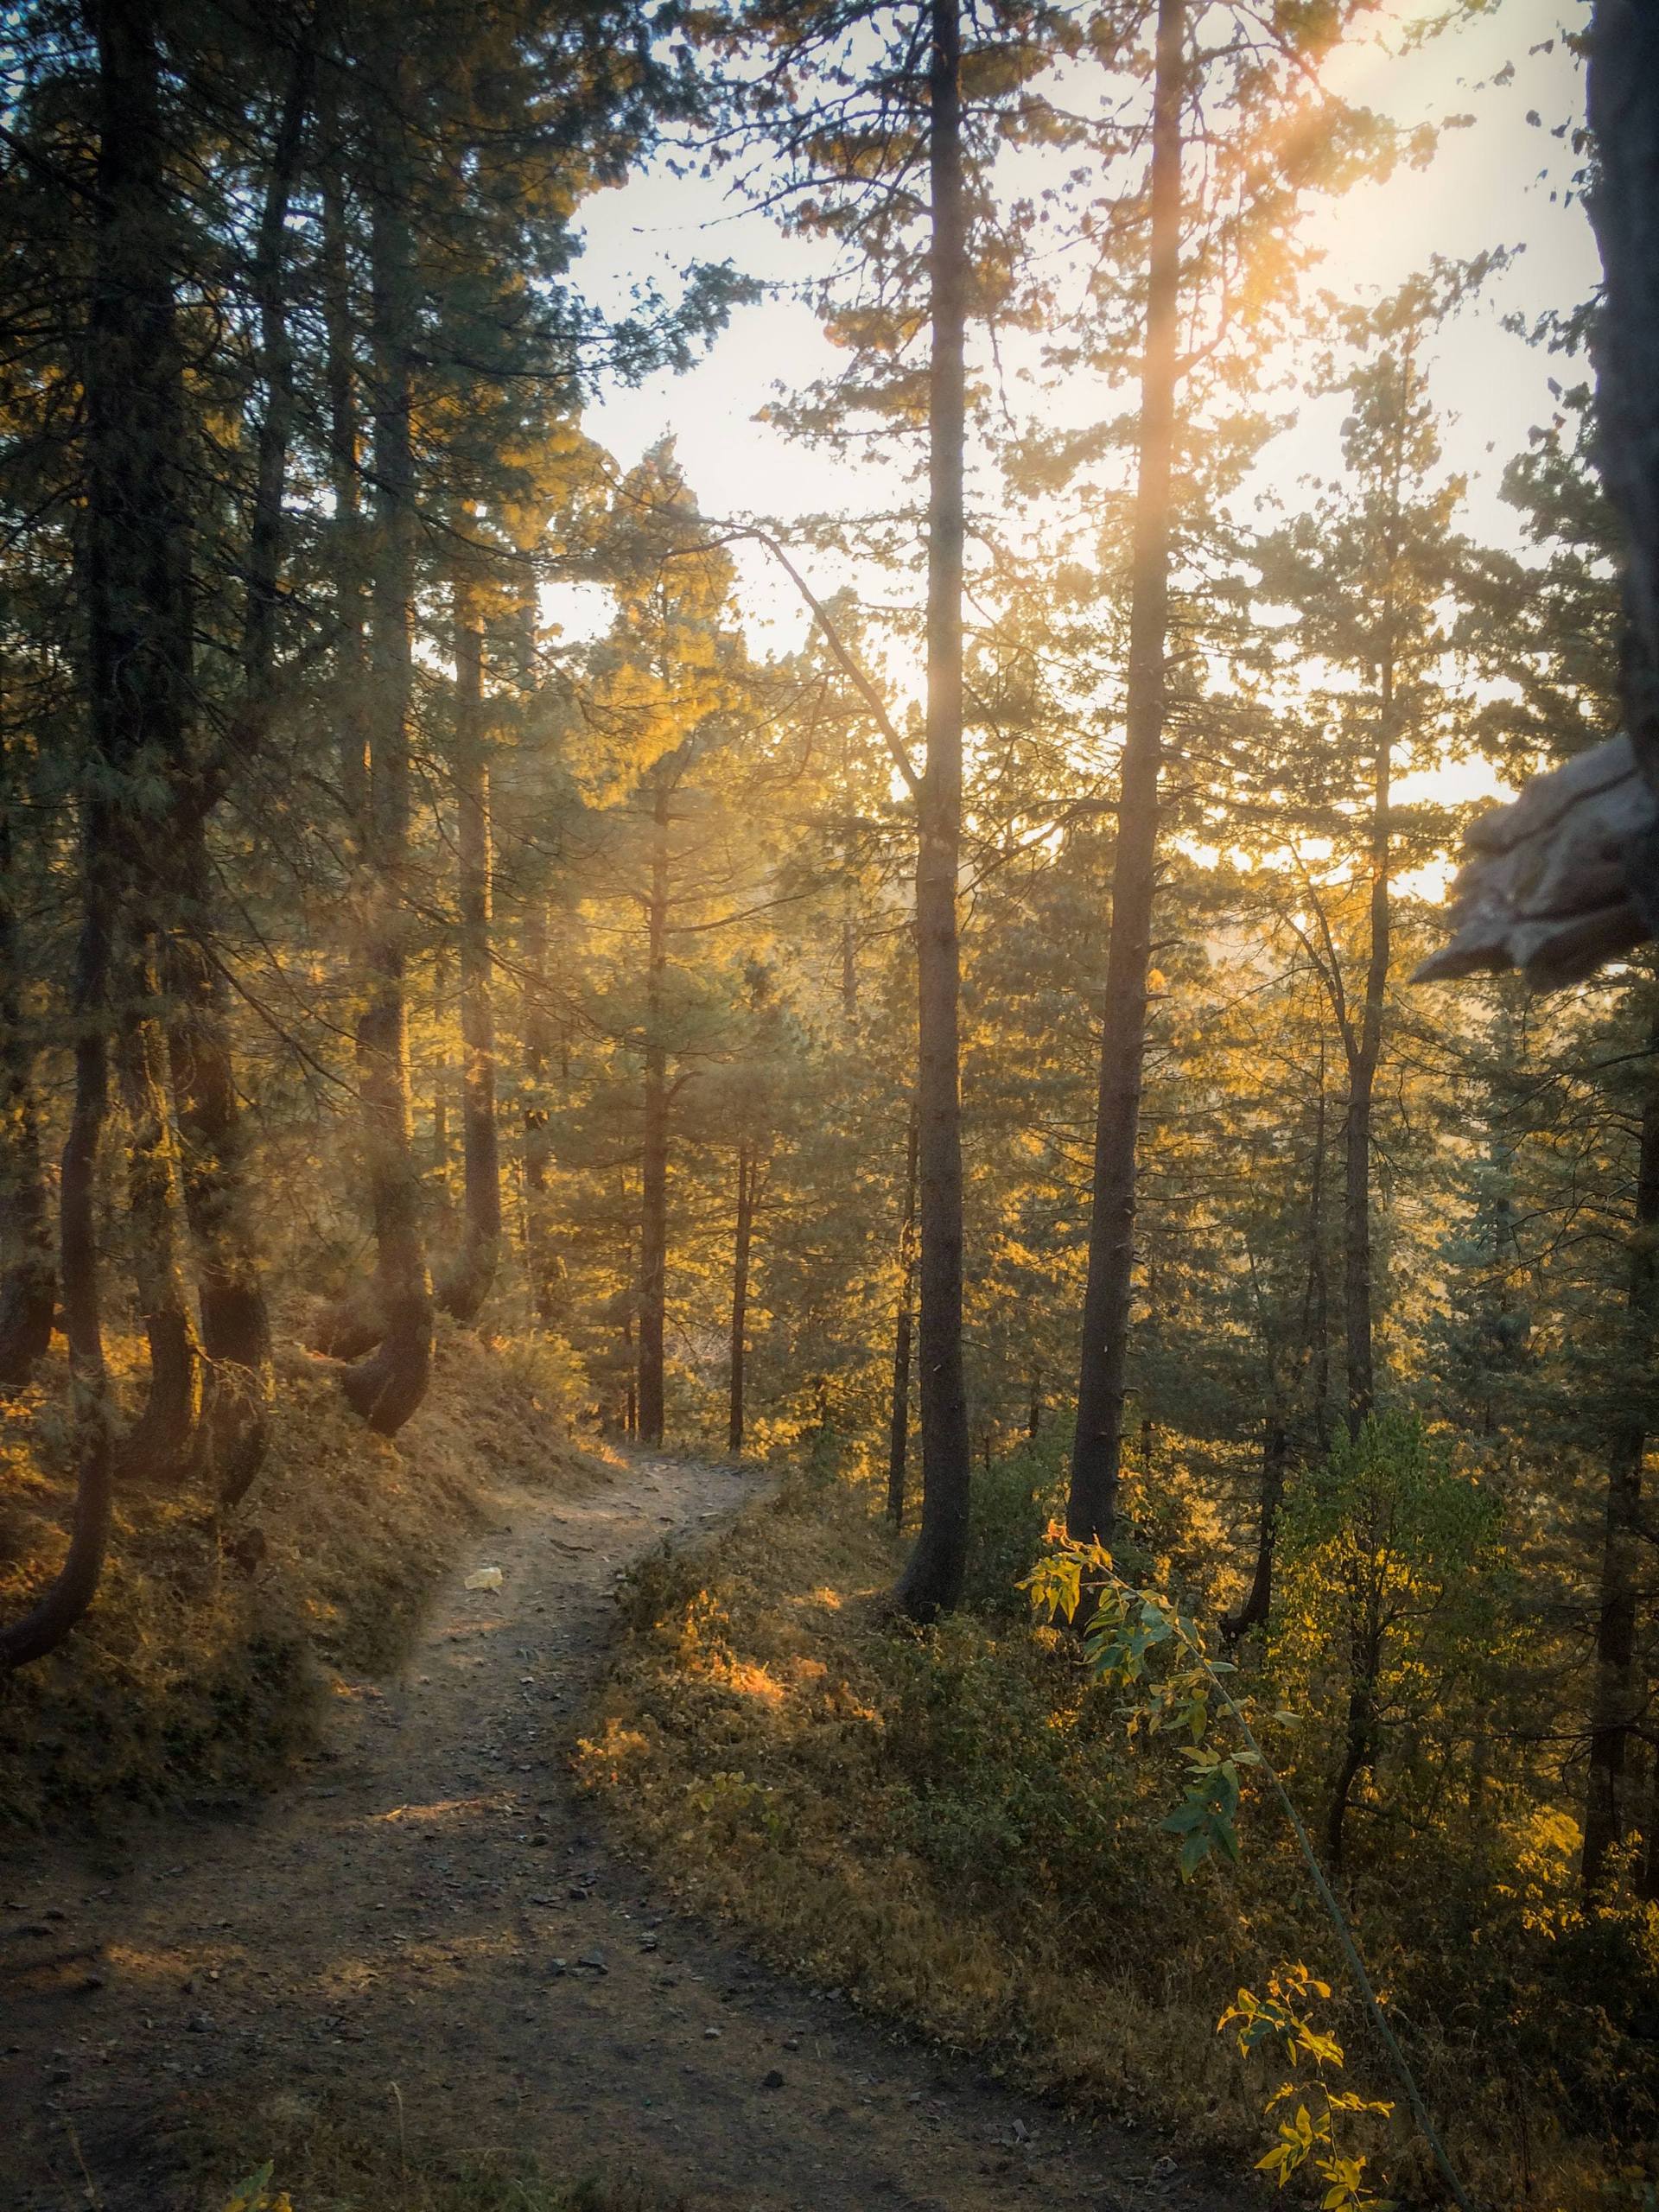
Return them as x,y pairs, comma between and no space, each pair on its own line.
427,1931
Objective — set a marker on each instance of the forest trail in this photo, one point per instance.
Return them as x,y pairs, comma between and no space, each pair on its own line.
430,1905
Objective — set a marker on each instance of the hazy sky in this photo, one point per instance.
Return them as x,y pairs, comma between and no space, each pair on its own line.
1496,183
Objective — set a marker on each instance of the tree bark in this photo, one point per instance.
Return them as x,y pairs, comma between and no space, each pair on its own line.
1311,1352
1624,115
66,1598
1275,1455
167,1444
898,1419
235,1327
28,1286
388,1386
653,1202
138,642
1359,1750
1097,1452
747,1169
140,652
932,1579
1363,1052
345,485
1616,1693
467,1283
263,605
1316,1307
537,1140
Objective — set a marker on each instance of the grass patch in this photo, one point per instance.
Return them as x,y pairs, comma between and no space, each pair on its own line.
951,1827
200,1667
321,2155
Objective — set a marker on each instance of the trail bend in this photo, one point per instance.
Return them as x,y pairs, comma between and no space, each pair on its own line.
428,1904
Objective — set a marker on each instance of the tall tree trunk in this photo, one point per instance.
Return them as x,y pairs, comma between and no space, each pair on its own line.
441,1154
466,1285
28,1285
1648,1874
167,1442
898,1418
235,1327
1311,1352
1359,1283
653,1193
1364,1048
346,557
933,1575
631,1396
747,1169
536,1030
388,1386
1275,1454
355,1323
1097,1452
1617,1694
1358,1753
1624,115
1316,1303
140,652
138,638
269,286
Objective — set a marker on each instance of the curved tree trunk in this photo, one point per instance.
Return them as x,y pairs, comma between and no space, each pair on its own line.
1096,1454
28,1285
466,1285
932,1581
388,1386
62,1604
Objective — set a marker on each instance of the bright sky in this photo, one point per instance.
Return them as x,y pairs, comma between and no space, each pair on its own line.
1499,182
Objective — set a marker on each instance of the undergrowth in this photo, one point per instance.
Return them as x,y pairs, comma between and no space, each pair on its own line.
200,1668
952,1826
287,2152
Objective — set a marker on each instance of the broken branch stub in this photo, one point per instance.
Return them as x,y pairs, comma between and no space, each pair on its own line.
1561,880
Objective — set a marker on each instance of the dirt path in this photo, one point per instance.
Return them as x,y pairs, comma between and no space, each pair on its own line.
431,1906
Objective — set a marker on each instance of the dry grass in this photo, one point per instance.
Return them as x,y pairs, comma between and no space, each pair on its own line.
746,1741
198,1668
950,1829
326,2156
